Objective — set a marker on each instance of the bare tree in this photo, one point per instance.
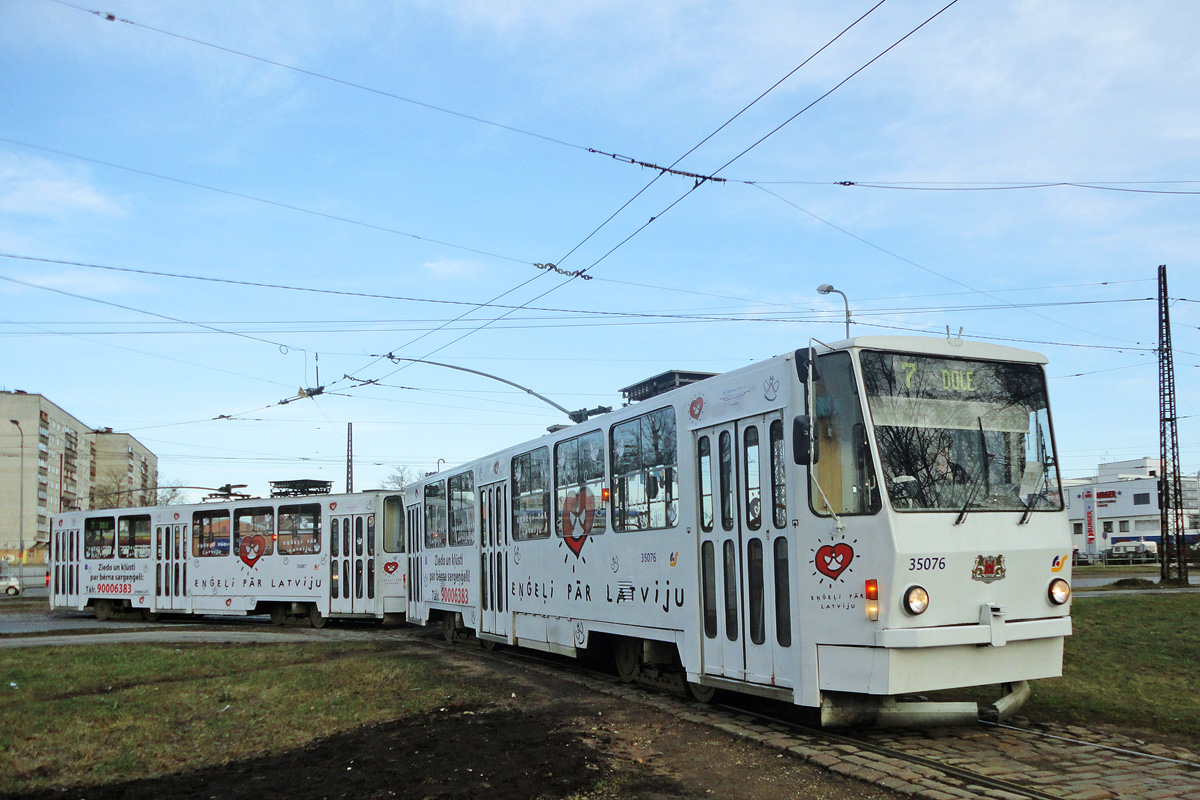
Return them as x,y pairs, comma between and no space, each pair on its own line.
399,478
171,493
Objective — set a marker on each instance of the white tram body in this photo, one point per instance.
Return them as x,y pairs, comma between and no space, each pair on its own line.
838,527
320,556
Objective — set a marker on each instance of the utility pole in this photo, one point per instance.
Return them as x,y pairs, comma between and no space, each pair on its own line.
1170,494
349,458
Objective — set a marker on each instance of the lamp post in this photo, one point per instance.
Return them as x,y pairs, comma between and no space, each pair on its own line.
21,515
826,288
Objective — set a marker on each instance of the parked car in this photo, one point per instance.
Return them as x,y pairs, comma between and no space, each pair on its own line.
10,584
1134,551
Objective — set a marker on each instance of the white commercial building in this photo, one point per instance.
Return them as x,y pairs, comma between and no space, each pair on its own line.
1120,504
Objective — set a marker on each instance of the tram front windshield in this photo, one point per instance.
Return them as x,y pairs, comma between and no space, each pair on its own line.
960,435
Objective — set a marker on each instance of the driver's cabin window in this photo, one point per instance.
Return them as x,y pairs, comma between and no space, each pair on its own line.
842,480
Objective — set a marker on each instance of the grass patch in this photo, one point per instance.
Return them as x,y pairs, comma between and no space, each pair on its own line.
85,715
1131,662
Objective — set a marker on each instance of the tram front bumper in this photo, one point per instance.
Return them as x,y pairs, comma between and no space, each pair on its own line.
907,660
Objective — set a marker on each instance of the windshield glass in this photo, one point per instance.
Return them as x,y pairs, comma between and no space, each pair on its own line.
955,435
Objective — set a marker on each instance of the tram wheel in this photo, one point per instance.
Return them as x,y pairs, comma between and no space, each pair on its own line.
628,657
701,694
487,644
314,617
149,616
103,609
279,614
450,627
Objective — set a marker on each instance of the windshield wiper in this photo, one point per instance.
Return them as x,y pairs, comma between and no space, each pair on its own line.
1038,493
979,481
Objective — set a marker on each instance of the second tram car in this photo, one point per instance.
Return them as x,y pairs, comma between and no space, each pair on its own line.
840,527
318,557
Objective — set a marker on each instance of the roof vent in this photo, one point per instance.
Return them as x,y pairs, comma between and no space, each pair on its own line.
653,387
300,488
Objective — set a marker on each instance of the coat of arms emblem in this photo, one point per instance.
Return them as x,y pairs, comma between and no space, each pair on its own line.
988,568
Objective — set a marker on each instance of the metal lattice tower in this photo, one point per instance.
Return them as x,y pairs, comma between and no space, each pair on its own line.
1170,494
349,458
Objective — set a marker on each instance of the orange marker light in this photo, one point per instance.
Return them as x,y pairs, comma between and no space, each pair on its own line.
604,495
872,592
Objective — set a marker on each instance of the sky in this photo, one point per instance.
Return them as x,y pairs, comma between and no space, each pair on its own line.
207,207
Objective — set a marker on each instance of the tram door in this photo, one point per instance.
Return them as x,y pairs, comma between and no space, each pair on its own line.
493,572
352,563
414,530
743,549
65,578
170,566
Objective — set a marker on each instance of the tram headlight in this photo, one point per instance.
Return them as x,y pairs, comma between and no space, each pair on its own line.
916,600
1059,592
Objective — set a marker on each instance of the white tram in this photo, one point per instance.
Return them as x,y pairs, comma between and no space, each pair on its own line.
842,527
318,556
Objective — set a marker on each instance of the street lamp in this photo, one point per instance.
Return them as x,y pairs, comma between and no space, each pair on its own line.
825,288
21,515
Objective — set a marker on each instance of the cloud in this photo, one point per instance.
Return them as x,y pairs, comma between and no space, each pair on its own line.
452,268
39,187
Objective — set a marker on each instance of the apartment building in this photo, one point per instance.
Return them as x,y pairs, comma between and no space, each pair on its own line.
50,461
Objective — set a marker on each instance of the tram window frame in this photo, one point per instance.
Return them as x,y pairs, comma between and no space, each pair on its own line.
725,478
257,523
644,464
134,543
531,495
783,594
778,450
393,524
297,533
99,542
204,526
580,470
752,464
840,422
460,498
436,511
704,481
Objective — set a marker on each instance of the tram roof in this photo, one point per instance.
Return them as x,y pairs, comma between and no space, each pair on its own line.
940,346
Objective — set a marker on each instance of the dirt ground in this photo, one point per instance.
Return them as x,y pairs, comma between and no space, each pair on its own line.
540,738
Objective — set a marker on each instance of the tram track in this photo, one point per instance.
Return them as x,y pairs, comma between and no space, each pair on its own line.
988,760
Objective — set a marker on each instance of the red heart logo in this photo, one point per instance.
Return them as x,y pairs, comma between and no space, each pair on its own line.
391,567
176,515
332,506
832,560
578,514
251,548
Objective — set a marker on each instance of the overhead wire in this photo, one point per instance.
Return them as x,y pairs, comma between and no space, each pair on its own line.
698,182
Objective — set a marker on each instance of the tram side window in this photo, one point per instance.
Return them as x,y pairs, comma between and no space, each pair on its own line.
579,485
704,470
300,529
133,536
531,495
645,472
210,533
99,537
778,476
435,514
843,479
254,533
393,524
462,509
750,458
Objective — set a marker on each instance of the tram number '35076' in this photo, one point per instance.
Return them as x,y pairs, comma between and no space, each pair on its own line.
926,564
